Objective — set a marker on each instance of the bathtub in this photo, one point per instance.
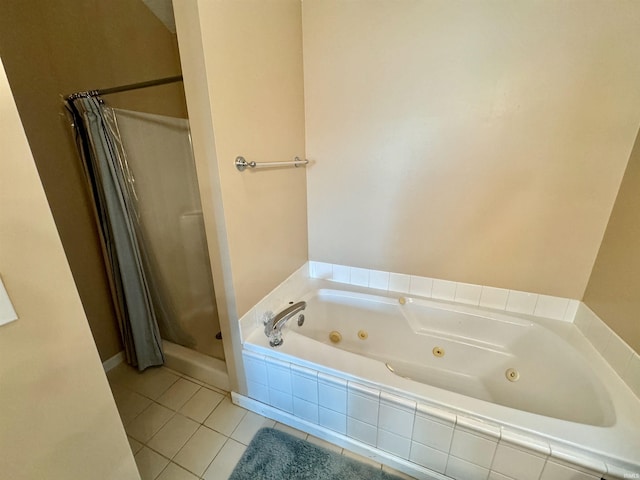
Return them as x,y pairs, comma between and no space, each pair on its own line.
436,388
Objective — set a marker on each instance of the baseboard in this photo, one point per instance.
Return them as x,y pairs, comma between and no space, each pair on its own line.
341,440
113,362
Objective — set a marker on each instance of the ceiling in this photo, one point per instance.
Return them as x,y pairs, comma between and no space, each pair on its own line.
163,9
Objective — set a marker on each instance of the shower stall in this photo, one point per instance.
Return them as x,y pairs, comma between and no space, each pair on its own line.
140,171
160,161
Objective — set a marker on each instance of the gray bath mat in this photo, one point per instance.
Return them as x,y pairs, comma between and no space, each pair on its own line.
276,455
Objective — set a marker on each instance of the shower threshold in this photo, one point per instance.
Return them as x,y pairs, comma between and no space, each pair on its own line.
197,365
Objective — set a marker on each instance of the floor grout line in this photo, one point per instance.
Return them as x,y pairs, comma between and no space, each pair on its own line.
216,456
199,424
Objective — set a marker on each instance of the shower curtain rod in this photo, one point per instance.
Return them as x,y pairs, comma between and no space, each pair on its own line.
124,88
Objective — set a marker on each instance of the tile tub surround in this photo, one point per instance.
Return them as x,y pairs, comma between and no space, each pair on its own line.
620,356
514,301
422,440
333,420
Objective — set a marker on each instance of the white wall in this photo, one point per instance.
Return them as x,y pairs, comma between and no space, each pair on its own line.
58,419
481,142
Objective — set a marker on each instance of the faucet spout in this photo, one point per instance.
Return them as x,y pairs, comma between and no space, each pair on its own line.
273,327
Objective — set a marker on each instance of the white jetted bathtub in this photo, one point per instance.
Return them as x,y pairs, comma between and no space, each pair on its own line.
436,388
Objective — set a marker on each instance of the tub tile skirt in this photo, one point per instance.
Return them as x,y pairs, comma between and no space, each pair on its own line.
422,440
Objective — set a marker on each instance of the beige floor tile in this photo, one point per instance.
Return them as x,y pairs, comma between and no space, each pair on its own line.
178,394
135,445
360,458
290,430
200,406
200,450
150,464
215,389
226,417
180,374
173,435
175,472
130,404
225,461
122,375
153,382
147,424
397,473
196,381
324,444
191,379
249,425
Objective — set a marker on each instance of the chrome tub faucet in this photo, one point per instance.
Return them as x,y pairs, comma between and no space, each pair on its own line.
274,323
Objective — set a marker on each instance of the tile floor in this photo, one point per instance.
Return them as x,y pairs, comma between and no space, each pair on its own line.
182,429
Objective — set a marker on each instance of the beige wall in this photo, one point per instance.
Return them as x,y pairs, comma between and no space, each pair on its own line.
614,286
481,142
253,58
58,419
196,87
56,48
242,63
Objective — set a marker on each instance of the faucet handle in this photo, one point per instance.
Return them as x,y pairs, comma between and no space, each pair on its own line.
267,321
267,317
275,337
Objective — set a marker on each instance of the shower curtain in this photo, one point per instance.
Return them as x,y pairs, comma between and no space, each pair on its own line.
111,186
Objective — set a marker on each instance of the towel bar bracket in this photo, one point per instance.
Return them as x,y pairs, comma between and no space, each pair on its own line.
242,164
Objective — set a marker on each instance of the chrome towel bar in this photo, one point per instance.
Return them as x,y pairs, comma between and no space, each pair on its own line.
241,164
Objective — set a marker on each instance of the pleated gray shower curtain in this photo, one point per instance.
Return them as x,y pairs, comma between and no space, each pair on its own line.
109,182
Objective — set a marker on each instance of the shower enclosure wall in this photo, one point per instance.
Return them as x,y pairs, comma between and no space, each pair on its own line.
160,161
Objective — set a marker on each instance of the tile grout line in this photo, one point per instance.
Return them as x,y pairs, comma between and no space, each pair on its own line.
200,424
215,456
341,451
174,413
